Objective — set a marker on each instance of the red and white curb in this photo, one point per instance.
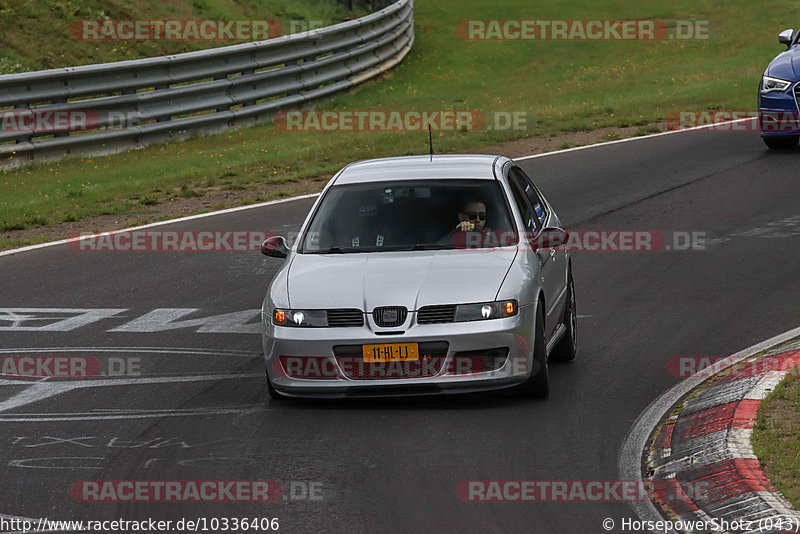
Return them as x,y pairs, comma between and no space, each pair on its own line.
702,456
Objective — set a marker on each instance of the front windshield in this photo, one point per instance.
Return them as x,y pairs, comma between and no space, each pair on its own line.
406,215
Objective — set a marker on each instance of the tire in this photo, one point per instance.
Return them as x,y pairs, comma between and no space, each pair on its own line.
782,142
272,392
538,384
567,348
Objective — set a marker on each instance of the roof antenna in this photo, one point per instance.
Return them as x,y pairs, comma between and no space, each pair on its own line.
430,140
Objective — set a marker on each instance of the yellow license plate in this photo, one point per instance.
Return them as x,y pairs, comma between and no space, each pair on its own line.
391,352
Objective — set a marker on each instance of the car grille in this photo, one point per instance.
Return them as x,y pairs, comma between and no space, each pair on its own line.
475,362
345,317
389,316
432,355
436,314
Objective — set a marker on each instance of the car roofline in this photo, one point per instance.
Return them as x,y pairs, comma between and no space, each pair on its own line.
405,167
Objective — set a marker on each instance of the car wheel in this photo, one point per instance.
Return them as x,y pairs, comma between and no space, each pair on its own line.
567,348
538,384
781,142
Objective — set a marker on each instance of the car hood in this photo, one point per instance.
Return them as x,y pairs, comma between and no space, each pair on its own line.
410,279
786,65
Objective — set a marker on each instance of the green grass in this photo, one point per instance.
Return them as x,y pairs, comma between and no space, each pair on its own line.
647,130
17,242
563,86
776,437
35,35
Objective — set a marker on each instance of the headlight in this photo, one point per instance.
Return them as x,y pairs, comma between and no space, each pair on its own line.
301,318
769,84
486,310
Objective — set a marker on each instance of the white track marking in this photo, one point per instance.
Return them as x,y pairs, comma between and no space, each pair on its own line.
638,434
75,318
311,195
162,223
629,139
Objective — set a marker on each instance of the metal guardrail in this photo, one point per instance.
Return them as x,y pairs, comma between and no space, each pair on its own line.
144,101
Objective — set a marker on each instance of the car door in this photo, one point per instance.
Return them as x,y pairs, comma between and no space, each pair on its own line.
534,215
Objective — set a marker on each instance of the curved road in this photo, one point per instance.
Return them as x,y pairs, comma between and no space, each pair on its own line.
199,408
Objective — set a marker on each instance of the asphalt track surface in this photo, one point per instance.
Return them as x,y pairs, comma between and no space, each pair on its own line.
392,465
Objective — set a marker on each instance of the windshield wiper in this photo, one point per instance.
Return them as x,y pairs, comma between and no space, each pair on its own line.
337,250
346,250
431,246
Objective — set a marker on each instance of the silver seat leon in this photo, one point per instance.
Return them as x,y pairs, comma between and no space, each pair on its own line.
420,275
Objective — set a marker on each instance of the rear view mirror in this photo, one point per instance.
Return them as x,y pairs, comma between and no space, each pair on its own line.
275,247
786,37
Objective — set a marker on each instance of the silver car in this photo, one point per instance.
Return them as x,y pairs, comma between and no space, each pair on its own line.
420,275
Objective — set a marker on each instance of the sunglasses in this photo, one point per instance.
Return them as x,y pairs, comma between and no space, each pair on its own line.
472,215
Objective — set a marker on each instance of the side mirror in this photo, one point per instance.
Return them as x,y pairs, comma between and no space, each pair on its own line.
275,247
551,237
786,37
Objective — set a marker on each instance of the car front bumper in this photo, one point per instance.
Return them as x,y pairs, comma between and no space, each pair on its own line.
778,113
455,372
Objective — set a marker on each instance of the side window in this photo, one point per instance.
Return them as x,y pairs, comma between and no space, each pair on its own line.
530,220
530,192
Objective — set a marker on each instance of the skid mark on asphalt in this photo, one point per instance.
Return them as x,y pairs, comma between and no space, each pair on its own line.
46,388
780,229
130,414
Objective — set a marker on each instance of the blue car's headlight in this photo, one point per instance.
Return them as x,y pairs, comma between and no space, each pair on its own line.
769,84
301,318
486,310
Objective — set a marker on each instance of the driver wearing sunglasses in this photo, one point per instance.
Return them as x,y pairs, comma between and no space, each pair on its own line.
472,217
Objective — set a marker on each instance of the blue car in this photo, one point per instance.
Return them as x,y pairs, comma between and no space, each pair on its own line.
778,93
